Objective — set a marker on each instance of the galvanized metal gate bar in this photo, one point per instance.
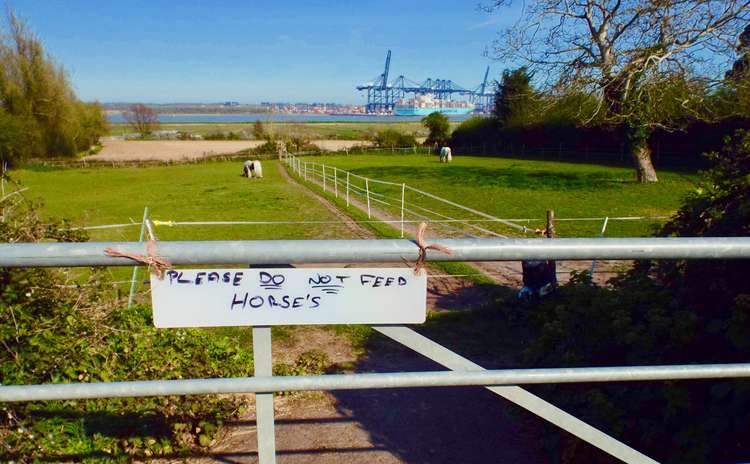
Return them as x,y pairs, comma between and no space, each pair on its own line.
142,388
264,414
340,251
365,251
517,395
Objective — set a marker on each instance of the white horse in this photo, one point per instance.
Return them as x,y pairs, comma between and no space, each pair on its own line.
445,155
252,168
257,169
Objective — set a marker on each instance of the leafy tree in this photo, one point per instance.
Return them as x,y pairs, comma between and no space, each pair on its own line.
516,102
625,52
439,126
36,95
733,98
741,66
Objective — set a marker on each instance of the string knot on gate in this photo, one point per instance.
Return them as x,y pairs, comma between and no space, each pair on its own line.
419,239
155,263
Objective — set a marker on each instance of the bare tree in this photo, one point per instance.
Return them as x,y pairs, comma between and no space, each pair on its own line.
647,61
142,119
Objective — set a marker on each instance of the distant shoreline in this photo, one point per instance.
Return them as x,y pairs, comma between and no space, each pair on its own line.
208,118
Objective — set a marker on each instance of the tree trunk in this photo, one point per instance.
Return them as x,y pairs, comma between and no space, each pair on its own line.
637,136
644,168
645,171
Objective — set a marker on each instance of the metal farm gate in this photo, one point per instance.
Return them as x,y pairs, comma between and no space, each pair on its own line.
461,371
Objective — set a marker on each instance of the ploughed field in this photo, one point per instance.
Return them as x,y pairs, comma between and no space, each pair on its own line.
515,189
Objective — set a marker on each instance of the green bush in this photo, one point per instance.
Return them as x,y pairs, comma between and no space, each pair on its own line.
670,312
37,99
53,330
218,135
391,138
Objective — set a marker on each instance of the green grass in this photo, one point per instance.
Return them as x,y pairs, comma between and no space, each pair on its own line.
513,188
212,191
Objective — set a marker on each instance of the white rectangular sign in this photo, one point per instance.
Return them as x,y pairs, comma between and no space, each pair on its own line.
244,297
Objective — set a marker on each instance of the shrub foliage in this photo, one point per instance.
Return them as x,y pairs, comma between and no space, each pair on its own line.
391,138
39,112
677,312
55,329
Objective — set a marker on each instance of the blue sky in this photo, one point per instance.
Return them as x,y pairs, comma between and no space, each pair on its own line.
252,51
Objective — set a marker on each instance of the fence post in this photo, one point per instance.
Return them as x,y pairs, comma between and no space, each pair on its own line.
347,189
324,177
264,413
367,191
601,234
549,230
134,279
403,190
305,171
335,182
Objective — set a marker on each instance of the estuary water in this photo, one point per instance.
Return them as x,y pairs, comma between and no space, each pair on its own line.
277,117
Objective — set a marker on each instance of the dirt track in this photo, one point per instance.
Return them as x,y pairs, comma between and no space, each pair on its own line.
174,150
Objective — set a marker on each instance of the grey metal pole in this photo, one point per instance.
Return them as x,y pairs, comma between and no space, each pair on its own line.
517,395
393,250
347,189
462,375
134,278
264,414
324,177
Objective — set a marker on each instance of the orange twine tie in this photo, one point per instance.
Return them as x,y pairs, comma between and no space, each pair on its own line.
153,260
419,264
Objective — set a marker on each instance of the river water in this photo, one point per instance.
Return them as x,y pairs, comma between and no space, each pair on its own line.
277,117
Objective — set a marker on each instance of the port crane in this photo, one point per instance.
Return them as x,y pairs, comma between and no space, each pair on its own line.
382,95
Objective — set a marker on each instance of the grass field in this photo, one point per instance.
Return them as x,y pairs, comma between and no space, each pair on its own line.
212,191
311,130
514,188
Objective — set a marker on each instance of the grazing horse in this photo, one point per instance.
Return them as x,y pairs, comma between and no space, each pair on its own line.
446,155
257,169
252,169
